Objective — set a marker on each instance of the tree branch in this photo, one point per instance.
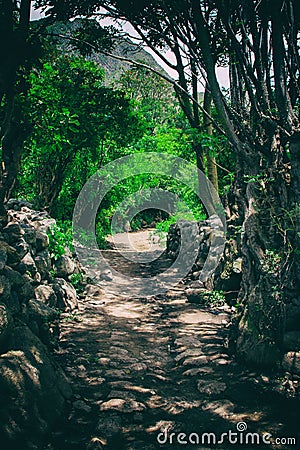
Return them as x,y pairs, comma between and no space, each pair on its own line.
151,69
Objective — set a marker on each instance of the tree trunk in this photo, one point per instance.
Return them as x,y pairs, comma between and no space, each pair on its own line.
270,262
13,55
211,165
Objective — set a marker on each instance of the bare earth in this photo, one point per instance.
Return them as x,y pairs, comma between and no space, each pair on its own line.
140,367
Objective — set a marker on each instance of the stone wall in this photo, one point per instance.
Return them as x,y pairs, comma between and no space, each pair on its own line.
34,290
227,278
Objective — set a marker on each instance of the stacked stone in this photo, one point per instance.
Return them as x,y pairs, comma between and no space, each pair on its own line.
199,234
207,239
33,291
227,278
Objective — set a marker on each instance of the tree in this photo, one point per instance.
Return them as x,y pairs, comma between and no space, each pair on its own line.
24,45
78,123
259,40
154,96
15,57
210,158
163,33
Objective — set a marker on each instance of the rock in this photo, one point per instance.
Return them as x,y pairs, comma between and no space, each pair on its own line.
13,232
211,388
81,368
216,238
11,202
19,284
14,277
123,406
21,268
13,257
121,394
66,294
197,371
291,340
6,325
139,367
110,425
18,204
155,239
187,353
194,294
42,241
46,294
92,290
5,288
50,373
14,303
21,247
29,234
19,388
37,277
41,313
96,444
82,406
32,388
43,224
118,351
196,361
106,275
64,266
26,291
3,254
291,362
29,264
43,263
117,374
103,361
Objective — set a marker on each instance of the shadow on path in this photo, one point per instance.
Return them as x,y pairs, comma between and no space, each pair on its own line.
159,365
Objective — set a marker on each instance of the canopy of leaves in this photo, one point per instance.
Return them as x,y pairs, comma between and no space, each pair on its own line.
78,125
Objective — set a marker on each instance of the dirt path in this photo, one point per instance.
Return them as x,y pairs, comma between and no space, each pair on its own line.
159,365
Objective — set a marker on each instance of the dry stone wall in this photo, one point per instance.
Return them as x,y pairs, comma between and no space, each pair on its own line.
227,278
34,290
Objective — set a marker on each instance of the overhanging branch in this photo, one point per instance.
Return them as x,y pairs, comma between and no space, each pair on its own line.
167,78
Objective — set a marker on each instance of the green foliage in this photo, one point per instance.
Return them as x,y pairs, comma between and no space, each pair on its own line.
71,317
212,298
217,146
102,229
76,279
79,126
154,96
197,214
60,238
272,261
227,181
91,31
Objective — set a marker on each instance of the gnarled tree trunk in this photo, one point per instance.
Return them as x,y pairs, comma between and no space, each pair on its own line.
14,30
